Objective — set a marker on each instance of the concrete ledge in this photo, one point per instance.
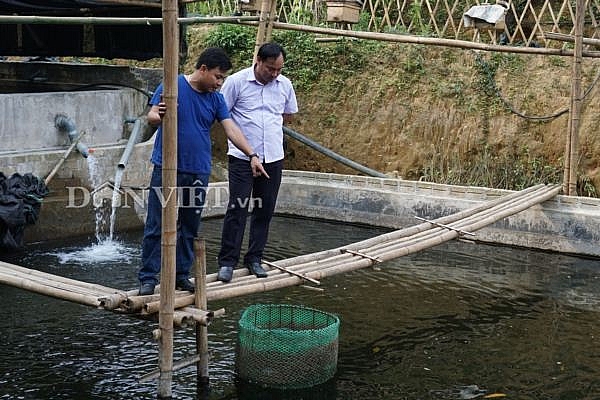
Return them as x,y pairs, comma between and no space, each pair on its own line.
563,224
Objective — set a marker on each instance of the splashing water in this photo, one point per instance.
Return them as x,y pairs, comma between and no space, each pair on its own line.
105,251
98,201
116,200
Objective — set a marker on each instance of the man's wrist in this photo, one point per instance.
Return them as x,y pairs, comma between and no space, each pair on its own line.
253,155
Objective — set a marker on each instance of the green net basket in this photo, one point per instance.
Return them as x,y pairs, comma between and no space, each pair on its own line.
287,346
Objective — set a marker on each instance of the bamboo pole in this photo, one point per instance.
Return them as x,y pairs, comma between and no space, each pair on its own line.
572,142
562,37
169,186
44,20
264,20
36,287
17,269
137,3
201,303
272,17
399,38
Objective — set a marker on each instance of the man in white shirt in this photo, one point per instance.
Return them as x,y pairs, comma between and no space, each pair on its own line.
260,101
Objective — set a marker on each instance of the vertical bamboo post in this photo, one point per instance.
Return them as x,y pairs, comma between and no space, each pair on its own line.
169,186
265,19
272,16
572,145
202,304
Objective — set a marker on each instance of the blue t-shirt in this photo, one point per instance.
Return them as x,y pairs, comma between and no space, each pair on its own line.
196,112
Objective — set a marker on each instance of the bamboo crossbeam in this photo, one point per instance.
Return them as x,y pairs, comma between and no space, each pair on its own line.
563,37
460,231
401,38
460,223
44,275
177,365
465,223
270,264
45,20
361,254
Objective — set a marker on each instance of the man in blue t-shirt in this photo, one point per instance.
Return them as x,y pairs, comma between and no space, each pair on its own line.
199,105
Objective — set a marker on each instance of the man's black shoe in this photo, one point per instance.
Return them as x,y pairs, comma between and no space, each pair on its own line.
146,289
225,274
184,284
256,269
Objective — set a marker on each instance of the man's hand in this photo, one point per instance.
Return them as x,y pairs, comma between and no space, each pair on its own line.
257,168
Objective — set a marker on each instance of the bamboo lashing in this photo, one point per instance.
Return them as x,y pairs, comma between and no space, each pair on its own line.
307,278
361,254
445,226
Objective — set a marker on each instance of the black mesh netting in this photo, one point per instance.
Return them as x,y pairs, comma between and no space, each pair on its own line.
286,346
20,202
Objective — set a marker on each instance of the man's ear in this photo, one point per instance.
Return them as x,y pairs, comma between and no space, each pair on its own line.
203,68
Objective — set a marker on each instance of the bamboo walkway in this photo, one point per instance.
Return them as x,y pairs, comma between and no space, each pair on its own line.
305,269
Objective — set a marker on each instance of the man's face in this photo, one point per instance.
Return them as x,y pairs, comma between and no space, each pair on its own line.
268,69
212,79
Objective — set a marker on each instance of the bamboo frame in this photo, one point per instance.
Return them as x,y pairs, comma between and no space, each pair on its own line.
383,247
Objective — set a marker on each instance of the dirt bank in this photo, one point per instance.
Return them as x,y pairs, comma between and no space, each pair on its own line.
444,115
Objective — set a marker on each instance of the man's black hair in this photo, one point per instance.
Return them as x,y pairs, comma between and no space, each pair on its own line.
270,50
214,57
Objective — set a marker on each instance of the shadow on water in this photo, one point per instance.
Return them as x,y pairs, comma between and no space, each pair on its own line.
457,321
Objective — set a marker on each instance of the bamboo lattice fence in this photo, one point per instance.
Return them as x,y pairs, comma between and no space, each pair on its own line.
526,20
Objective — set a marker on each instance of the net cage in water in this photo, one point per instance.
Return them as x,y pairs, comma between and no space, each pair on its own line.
287,346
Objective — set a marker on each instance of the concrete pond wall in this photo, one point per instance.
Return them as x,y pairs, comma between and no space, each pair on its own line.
30,142
563,224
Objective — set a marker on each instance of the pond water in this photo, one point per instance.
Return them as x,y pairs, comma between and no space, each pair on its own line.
457,321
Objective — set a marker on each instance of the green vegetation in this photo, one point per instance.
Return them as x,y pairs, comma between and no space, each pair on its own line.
307,61
375,75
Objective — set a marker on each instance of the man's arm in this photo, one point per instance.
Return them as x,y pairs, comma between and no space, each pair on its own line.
236,136
157,112
287,118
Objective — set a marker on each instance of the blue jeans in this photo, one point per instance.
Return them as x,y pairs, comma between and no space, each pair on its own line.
191,192
243,186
